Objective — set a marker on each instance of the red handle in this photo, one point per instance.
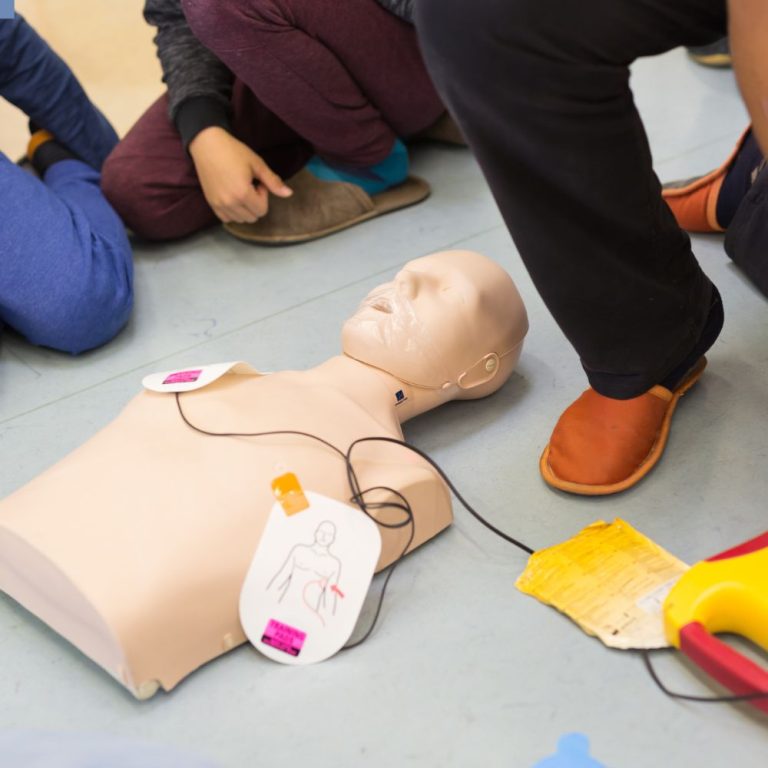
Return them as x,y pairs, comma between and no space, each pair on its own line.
720,661
759,542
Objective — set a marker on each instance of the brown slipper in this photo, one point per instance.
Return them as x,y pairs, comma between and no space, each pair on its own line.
319,208
694,201
601,445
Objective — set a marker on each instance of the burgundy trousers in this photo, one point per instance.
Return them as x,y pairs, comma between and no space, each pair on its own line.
338,78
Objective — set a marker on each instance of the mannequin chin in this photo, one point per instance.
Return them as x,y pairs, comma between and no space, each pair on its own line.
451,321
135,546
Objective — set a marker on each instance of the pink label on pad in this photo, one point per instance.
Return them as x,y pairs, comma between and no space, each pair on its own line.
183,377
283,637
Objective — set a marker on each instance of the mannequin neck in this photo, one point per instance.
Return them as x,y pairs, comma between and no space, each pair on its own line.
372,387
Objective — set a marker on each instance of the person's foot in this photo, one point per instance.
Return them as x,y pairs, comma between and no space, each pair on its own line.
716,55
388,173
444,130
43,150
318,208
601,445
25,165
708,203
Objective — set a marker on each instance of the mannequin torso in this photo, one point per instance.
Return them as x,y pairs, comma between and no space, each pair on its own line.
198,510
136,545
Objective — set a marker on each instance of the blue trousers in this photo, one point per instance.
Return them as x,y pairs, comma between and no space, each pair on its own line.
66,274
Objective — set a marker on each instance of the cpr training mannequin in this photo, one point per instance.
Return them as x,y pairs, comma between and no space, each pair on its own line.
136,545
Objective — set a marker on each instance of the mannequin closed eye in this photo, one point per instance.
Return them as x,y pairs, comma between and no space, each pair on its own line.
382,304
417,285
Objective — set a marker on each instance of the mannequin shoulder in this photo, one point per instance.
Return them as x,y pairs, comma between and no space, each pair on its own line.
416,480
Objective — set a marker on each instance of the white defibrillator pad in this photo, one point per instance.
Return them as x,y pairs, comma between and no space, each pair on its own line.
194,377
308,579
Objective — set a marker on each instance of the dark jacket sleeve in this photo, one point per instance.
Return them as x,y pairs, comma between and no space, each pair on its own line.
199,84
39,83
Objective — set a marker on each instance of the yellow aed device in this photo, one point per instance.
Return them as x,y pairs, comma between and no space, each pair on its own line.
726,593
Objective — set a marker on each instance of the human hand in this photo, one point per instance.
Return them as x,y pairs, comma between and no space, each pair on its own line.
227,169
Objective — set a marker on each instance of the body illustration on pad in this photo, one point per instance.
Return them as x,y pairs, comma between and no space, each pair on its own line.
135,547
311,573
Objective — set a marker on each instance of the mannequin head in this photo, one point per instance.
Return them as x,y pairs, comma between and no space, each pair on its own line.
452,321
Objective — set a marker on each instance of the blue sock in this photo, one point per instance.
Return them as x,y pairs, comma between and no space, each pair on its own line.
392,170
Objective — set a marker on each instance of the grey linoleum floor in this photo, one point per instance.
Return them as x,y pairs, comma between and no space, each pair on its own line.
463,670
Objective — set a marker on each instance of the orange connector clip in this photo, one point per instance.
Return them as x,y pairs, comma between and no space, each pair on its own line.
288,491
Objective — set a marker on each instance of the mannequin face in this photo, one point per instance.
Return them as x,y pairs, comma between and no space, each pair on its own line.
439,316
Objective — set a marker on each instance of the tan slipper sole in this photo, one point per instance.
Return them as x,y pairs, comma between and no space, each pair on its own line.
650,461
320,208
716,60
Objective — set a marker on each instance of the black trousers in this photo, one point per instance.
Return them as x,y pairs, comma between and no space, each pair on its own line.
746,241
541,90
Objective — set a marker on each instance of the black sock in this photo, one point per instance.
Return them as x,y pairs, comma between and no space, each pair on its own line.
709,334
738,180
49,153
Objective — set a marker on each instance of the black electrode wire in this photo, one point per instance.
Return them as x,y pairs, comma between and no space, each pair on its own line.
405,506
251,434
358,497
464,503
728,699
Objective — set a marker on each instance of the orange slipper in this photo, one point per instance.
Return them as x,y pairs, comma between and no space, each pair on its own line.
694,201
601,445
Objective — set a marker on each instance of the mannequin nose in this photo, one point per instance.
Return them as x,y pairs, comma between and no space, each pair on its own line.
407,284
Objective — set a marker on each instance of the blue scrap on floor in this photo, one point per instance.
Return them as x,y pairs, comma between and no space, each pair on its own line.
572,752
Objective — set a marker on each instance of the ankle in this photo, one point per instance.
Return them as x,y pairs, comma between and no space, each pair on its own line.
387,173
738,180
43,151
712,327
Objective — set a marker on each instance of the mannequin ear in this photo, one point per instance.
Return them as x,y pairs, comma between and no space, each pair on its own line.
481,372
